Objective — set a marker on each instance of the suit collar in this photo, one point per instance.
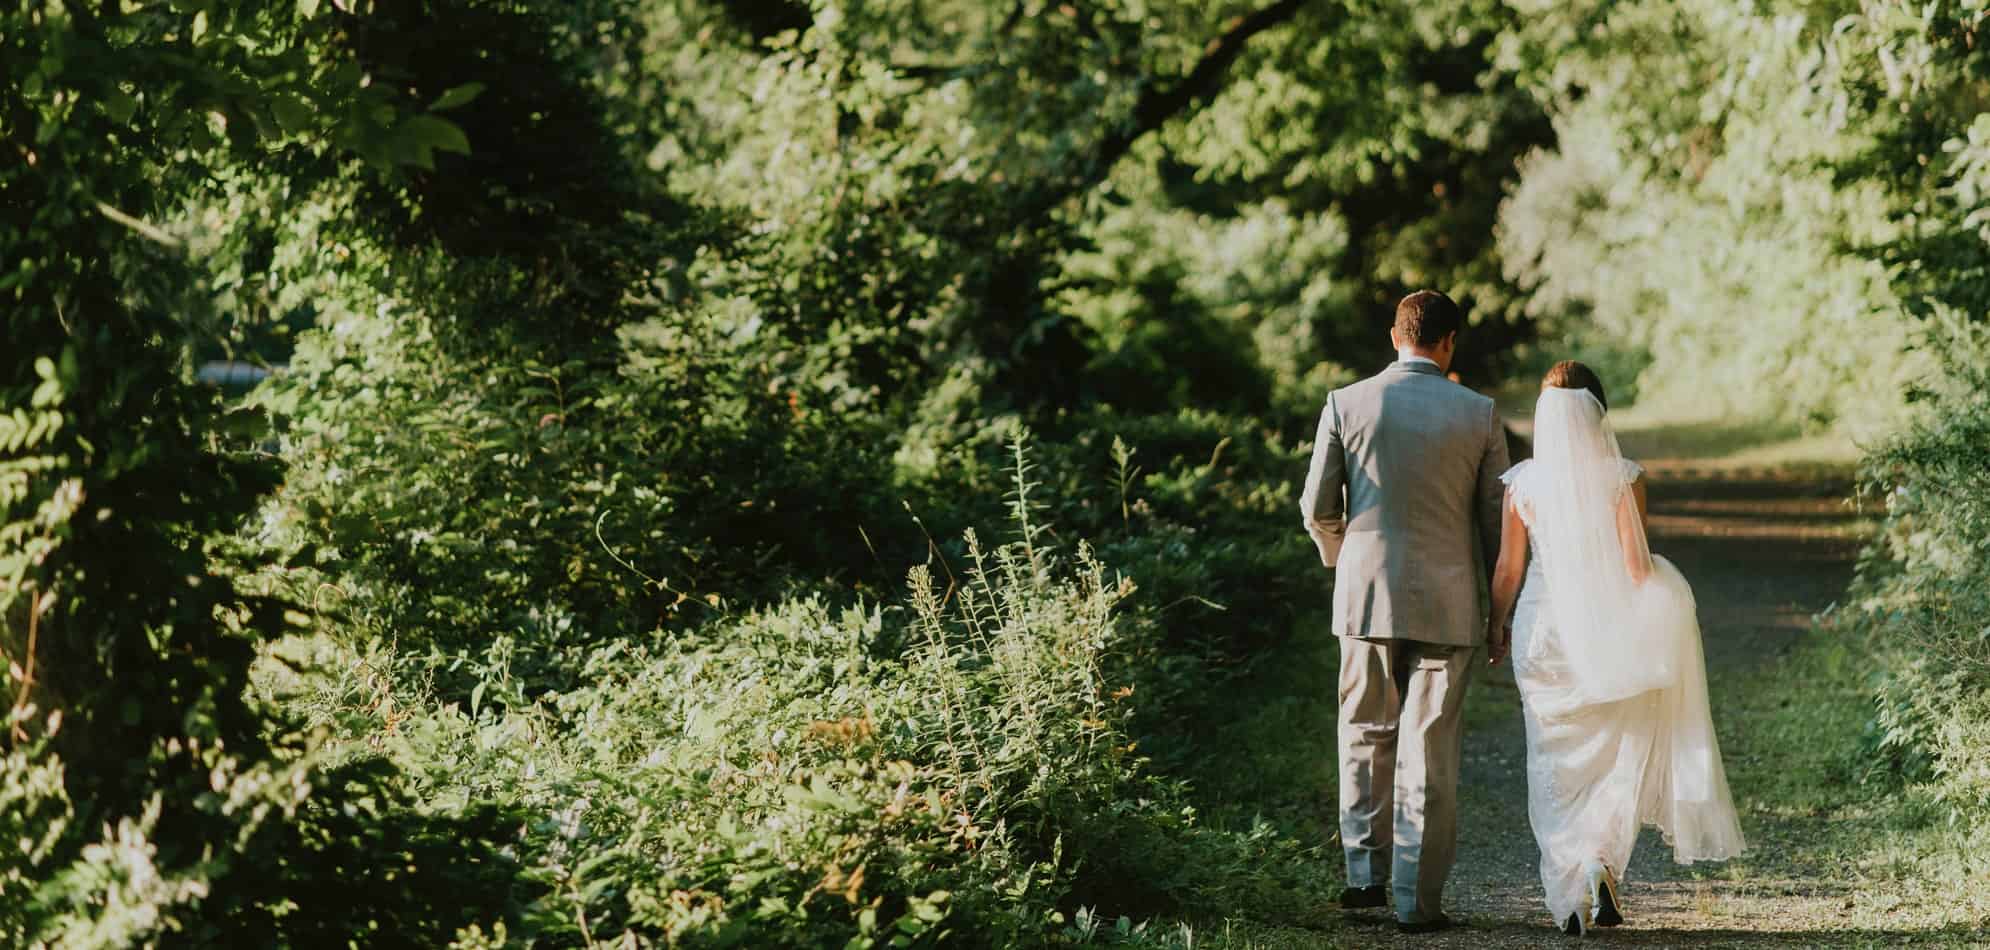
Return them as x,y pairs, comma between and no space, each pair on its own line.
1416,366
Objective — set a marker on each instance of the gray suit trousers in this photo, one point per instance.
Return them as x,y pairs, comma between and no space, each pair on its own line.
1400,719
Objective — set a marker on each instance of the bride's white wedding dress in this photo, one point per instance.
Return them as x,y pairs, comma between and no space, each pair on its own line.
1606,650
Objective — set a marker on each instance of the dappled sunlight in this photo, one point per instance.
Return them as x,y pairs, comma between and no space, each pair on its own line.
644,473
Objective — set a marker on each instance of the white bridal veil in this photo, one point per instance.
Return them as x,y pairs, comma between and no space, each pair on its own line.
1625,621
1578,498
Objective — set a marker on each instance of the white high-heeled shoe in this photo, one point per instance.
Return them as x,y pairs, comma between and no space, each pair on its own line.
1605,910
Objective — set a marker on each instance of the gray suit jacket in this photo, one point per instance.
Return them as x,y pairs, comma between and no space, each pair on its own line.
1403,499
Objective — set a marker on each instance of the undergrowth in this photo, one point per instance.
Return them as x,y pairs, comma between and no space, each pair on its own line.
956,764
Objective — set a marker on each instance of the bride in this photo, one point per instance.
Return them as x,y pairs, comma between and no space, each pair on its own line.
1606,649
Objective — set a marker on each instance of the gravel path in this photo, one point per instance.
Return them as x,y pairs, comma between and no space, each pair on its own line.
1765,550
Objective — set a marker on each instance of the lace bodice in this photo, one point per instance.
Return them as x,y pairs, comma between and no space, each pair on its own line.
1520,485
1522,489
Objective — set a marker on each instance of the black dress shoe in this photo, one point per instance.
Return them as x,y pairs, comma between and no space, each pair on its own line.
1360,898
1573,925
1431,926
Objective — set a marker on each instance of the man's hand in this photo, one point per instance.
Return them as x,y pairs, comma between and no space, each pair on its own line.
1499,637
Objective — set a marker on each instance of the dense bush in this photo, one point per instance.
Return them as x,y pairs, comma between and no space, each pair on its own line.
1925,602
457,499
1927,592
954,765
149,793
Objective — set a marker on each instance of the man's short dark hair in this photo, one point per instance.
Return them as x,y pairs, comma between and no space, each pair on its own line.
1426,317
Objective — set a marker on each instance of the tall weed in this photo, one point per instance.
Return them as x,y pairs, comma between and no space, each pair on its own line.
956,766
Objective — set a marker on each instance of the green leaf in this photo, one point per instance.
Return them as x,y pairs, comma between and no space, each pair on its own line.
459,96
120,106
292,113
307,8
199,25
436,133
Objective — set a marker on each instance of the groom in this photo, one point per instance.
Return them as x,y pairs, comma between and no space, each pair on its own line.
1403,500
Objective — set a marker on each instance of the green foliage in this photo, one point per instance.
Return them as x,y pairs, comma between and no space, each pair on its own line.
143,778
1926,599
1219,313
951,768
1925,595
361,860
454,501
1759,201
1693,210
634,350
613,338
1405,123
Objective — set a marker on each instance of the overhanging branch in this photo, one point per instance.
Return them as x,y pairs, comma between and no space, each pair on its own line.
1157,105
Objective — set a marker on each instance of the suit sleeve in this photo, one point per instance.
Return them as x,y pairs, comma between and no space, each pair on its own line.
1492,491
1323,504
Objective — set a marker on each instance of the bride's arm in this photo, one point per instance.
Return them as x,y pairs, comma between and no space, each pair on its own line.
1633,522
1508,574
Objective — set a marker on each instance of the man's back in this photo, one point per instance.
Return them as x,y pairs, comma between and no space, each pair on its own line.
1403,497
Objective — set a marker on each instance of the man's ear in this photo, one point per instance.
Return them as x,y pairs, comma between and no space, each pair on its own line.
1395,339
1450,341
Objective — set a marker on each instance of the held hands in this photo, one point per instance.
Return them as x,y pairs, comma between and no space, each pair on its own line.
1499,639
1326,552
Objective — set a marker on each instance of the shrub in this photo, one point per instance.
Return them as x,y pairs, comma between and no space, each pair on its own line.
457,498
1926,596
956,766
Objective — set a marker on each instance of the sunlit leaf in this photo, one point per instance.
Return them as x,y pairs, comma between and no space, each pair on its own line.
458,96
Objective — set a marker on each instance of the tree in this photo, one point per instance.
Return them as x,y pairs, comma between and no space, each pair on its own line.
128,641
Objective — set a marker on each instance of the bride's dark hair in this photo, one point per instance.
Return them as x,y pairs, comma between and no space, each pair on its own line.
1569,374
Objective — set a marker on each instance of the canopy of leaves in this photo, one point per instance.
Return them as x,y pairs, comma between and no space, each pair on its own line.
600,562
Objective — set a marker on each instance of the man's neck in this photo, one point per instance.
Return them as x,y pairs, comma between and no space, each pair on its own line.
1407,355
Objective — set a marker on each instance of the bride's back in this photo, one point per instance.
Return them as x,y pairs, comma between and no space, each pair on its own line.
1580,501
